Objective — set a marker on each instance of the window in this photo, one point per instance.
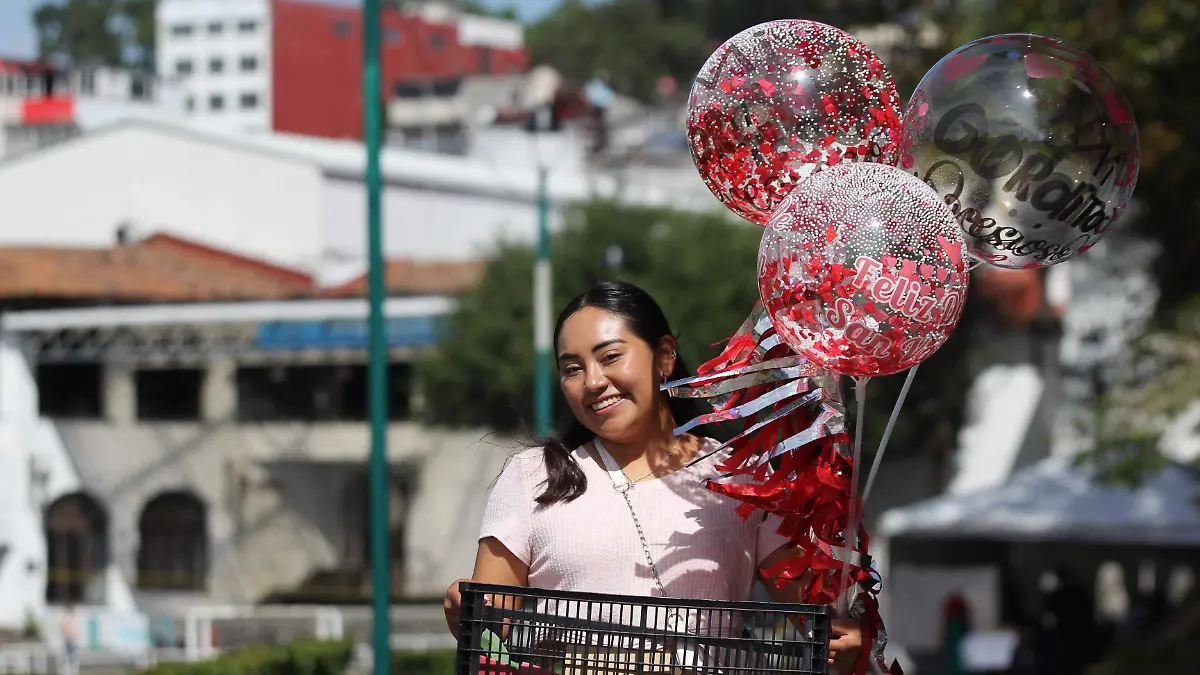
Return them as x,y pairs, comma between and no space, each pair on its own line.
356,524
216,65
248,101
189,104
140,88
181,30
437,42
248,64
290,393
247,26
183,67
76,529
408,90
168,393
391,36
342,27
173,538
446,88
69,390
216,28
485,60
216,102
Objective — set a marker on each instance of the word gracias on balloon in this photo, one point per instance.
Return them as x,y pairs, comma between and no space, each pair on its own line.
963,132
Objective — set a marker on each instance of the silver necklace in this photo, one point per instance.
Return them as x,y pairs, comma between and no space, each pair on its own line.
622,484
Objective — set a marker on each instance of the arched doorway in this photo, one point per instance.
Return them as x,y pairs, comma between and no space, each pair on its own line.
173,549
76,550
356,527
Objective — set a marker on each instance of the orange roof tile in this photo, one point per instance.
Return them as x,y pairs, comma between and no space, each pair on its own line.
161,268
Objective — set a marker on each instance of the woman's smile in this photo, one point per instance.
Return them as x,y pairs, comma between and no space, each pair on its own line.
607,404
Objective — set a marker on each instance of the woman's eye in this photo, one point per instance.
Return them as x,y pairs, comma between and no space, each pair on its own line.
570,370
610,357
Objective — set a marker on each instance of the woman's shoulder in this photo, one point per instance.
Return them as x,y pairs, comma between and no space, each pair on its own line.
527,460
711,451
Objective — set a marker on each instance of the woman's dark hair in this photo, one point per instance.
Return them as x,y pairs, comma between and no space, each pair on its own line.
565,478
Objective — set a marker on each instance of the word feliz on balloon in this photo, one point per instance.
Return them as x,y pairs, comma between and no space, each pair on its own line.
905,293
963,132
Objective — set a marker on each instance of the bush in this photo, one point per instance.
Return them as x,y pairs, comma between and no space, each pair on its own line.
423,663
303,657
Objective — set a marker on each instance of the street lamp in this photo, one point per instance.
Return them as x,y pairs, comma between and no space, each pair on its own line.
377,385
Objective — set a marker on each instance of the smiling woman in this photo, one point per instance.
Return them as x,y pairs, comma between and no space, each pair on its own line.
616,503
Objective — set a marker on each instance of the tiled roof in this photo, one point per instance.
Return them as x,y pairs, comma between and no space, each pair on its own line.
414,277
160,268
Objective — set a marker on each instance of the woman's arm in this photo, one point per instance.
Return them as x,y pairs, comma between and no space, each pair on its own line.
494,564
847,633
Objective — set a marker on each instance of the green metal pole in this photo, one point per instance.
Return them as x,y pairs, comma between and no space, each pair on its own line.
380,481
543,402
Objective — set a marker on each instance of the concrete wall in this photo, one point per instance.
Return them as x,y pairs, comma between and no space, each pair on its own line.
422,224
273,491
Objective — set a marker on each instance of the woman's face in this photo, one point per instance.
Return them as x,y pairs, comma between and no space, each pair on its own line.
610,376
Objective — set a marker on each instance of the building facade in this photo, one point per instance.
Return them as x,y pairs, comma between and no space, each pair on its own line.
201,447
296,67
220,52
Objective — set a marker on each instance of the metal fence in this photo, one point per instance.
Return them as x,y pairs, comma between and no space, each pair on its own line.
205,632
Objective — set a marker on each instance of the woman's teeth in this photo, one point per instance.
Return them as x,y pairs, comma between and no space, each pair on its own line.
606,403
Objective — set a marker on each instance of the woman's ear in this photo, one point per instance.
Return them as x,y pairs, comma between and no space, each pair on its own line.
666,356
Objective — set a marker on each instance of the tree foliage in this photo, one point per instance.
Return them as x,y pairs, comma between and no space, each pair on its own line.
632,43
96,32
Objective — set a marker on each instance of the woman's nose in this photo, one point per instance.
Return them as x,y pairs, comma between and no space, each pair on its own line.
596,380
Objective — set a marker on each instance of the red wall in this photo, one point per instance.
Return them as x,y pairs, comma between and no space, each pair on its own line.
318,71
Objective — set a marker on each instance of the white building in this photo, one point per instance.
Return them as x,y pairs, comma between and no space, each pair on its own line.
176,471
220,50
300,201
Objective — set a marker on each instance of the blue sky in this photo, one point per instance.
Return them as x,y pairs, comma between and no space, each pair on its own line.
16,26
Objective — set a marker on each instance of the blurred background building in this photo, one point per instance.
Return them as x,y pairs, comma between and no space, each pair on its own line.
182,338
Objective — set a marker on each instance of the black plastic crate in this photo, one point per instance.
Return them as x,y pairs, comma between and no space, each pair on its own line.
507,630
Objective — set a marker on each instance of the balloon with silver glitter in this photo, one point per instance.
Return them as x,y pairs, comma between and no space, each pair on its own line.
861,270
782,100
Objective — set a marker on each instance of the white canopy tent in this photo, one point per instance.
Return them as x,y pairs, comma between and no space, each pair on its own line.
1056,501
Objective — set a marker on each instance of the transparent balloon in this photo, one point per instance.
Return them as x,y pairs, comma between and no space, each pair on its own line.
1032,144
780,101
861,270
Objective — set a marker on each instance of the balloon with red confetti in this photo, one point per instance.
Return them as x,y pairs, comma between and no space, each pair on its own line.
782,100
1032,144
861,270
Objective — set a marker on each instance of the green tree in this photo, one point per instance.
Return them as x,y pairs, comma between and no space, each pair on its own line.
141,30
80,32
97,32
629,43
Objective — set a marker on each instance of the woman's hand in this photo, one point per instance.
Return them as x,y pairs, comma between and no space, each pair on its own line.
845,645
494,564
451,605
